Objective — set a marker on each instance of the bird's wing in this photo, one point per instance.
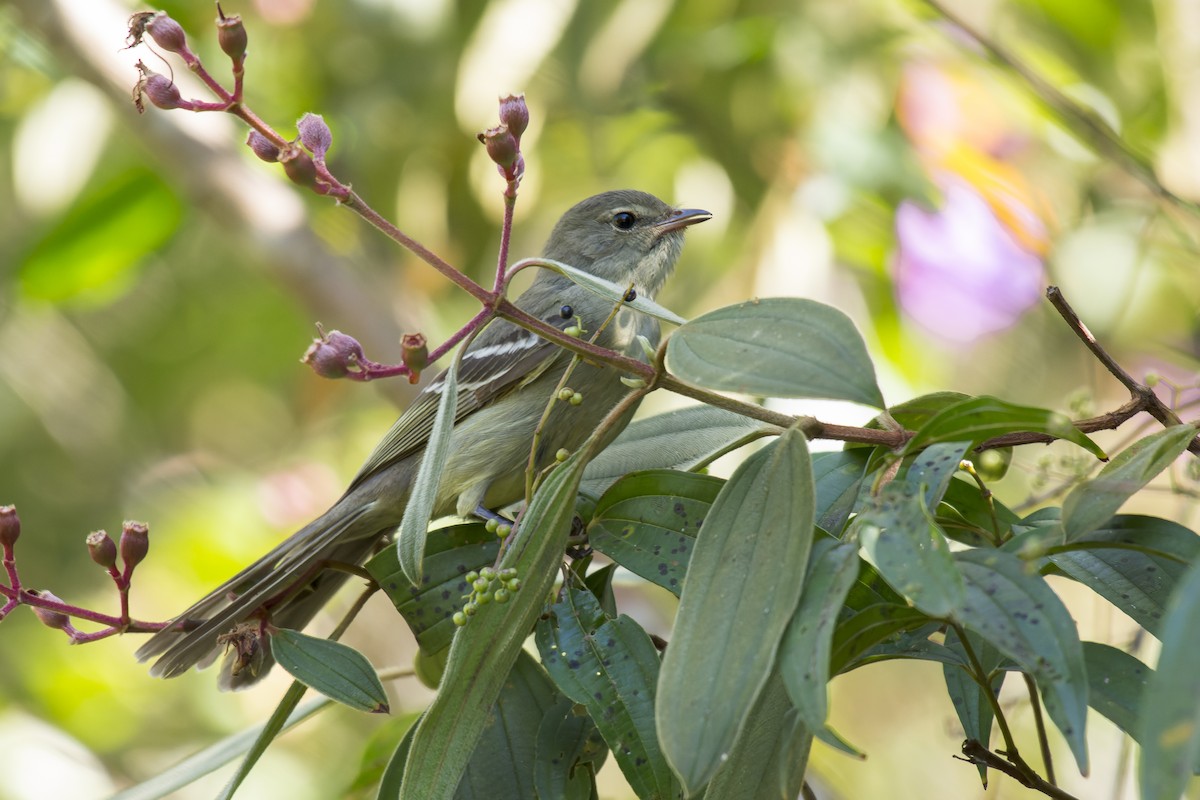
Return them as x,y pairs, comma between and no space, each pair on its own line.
502,358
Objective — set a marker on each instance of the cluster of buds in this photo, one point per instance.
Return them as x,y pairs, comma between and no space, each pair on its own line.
503,142
487,585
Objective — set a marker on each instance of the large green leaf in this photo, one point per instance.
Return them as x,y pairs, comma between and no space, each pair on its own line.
647,522
971,704
838,477
410,540
335,670
981,418
743,584
776,347
863,628
611,667
567,745
1170,719
484,651
684,439
771,752
450,553
933,469
1020,615
504,763
804,651
1116,684
1134,562
909,550
1091,503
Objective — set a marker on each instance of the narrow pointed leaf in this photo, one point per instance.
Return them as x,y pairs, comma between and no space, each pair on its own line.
972,706
909,550
335,670
410,541
981,418
861,629
647,522
776,347
564,742
838,478
611,667
1170,718
1090,504
684,439
609,290
743,584
1020,615
484,651
804,652
934,467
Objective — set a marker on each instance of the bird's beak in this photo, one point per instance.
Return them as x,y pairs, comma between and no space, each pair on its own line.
681,218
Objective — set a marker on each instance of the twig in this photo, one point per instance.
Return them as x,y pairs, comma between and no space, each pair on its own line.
1040,723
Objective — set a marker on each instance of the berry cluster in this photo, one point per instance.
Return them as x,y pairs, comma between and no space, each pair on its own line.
487,585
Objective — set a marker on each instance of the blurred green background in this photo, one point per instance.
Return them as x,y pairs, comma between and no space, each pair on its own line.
158,284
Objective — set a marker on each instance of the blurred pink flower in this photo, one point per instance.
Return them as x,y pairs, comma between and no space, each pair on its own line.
959,271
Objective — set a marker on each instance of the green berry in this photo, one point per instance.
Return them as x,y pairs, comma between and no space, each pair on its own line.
490,527
514,585
472,576
501,596
459,618
469,609
576,399
483,599
562,455
504,530
565,393
481,585
574,330
508,574
487,572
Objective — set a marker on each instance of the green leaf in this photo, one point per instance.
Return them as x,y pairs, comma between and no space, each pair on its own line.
611,667
94,250
484,651
776,347
1170,719
609,290
647,522
967,515
771,752
567,739
914,413
1020,615
1091,503
909,550
215,756
804,651
933,468
502,766
450,553
743,584
335,670
981,418
1116,683
838,476
684,439
393,774
1133,562
410,540
972,706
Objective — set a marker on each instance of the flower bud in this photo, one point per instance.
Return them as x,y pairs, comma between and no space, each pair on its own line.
50,618
333,355
161,91
231,35
299,166
167,33
135,543
263,147
102,549
501,146
315,135
10,527
514,114
414,353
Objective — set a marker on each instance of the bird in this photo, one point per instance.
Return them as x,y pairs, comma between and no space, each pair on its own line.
507,377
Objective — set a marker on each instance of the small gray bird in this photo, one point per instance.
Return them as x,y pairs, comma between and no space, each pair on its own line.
506,380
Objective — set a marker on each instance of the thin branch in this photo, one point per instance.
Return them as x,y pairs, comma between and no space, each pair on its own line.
1040,723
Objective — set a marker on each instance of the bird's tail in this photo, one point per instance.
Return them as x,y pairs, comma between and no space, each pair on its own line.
288,586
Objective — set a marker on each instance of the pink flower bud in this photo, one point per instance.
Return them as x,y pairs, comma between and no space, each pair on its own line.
414,353
135,543
263,147
315,135
102,549
501,146
333,355
299,166
167,33
10,527
231,35
50,618
161,91
514,114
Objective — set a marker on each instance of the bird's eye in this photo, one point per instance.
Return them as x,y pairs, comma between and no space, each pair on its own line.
624,220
